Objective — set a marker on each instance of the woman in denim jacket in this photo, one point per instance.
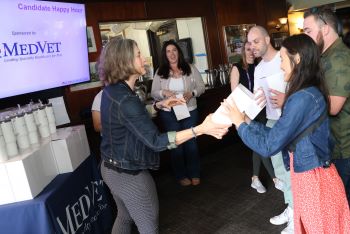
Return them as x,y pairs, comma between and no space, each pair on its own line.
130,140
320,204
176,76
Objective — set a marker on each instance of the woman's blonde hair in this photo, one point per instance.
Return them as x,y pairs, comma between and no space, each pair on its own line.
118,60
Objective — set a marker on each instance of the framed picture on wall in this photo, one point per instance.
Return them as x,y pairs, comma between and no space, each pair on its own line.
91,39
93,72
234,36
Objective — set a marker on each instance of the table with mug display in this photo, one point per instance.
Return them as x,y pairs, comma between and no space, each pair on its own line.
74,202
49,181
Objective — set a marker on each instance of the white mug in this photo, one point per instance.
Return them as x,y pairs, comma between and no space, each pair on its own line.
3,152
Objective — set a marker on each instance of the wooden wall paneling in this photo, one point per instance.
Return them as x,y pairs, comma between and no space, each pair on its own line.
116,10
193,8
275,9
109,12
260,13
77,101
237,12
247,12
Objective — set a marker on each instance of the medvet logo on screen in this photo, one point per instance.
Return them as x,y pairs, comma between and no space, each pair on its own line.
8,50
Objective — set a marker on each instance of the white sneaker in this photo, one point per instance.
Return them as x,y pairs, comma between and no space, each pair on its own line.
278,184
289,229
256,184
284,217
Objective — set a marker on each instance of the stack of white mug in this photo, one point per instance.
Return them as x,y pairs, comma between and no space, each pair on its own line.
19,128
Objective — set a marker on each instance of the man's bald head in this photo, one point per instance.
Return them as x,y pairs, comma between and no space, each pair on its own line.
260,30
259,40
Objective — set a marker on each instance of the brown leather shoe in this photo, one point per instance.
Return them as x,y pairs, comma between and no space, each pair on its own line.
185,182
196,181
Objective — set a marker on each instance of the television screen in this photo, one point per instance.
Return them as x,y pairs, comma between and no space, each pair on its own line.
42,45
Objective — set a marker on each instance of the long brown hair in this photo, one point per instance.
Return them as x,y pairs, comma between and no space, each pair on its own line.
164,68
308,71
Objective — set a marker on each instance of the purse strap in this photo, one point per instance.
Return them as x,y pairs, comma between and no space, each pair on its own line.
307,131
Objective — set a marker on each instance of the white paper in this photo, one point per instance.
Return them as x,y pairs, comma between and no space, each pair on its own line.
276,82
245,102
59,110
181,111
220,115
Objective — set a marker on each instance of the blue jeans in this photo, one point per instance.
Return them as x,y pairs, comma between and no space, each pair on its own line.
185,158
343,168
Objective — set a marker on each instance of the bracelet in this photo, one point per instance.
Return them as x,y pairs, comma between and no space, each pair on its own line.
155,106
193,132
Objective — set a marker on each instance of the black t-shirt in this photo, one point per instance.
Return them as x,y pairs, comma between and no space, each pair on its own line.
246,77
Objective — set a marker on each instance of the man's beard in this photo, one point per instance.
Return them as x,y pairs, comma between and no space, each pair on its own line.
320,41
261,52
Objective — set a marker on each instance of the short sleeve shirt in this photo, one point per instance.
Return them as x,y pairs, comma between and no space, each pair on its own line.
96,105
265,69
336,64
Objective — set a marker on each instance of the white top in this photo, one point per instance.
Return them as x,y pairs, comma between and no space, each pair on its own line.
96,105
264,72
176,85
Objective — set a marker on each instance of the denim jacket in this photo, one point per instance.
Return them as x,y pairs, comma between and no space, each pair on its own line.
130,140
301,109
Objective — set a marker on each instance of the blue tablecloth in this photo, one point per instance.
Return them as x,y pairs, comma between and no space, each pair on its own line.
74,202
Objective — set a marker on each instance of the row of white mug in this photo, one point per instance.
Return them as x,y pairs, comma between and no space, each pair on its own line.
21,130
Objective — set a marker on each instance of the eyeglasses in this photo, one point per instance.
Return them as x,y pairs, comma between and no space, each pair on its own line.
317,12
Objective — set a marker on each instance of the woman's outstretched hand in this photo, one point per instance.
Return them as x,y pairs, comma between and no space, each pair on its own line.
170,102
208,127
233,113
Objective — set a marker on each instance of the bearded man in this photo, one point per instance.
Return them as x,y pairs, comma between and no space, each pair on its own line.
322,26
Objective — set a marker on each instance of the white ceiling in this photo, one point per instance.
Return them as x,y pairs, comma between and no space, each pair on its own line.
137,25
304,4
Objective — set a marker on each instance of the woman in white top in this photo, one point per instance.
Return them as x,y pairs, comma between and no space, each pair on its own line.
176,76
96,105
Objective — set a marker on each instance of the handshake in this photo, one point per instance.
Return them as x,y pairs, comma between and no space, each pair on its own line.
169,103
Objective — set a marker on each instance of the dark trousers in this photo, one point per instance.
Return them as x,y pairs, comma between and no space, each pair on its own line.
185,158
343,168
257,159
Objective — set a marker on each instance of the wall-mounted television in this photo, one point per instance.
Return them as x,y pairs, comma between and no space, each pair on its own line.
43,45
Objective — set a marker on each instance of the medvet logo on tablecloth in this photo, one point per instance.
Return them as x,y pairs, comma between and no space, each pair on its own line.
85,210
82,206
